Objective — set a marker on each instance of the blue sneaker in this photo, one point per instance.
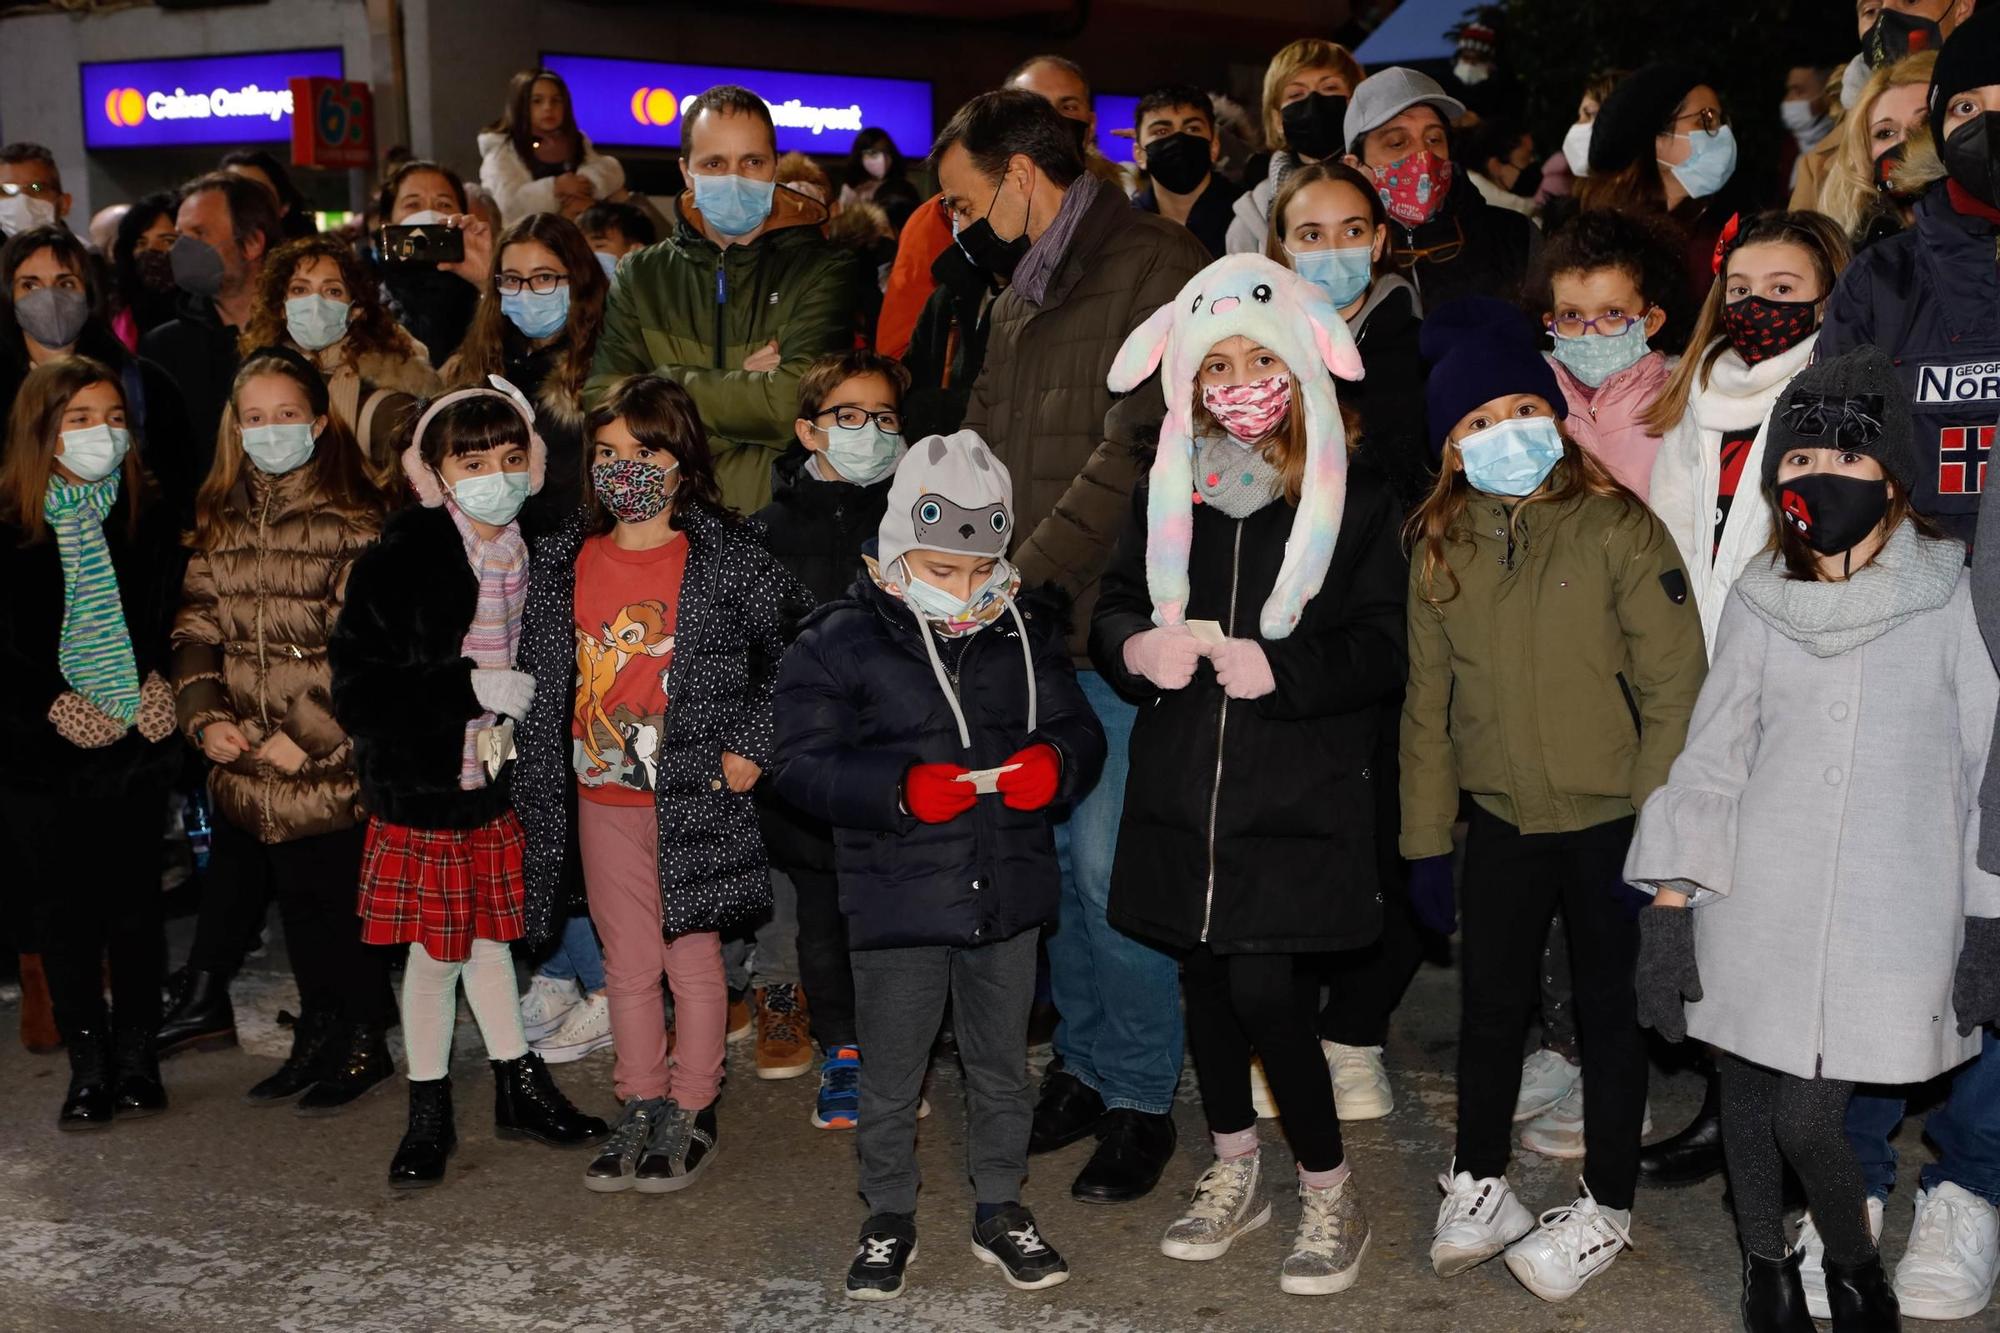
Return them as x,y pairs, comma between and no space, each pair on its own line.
839,1103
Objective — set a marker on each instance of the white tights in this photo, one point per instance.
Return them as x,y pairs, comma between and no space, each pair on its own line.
430,1007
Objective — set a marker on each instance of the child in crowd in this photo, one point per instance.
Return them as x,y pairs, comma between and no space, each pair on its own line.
654,624
1830,899
827,502
91,560
1554,658
424,680
1607,285
286,508
1251,503
932,720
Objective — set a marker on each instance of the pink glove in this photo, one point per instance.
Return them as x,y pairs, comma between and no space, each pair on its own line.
1164,656
1242,670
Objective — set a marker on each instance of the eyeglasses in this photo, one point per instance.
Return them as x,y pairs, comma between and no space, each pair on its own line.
1708,121
854,418
1442,253
1611,326
541,284
35,188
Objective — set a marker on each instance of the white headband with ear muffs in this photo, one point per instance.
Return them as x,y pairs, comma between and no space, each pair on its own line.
425,482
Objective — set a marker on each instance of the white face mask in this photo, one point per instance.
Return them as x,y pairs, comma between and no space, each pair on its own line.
1470,74
1576,147
94,453
875,164
430,217
24,212
862,455
278,449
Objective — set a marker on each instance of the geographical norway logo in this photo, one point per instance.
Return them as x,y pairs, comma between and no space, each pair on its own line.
1962,452
127,107
1976,382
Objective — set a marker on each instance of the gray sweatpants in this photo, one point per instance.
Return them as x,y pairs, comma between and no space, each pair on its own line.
899,999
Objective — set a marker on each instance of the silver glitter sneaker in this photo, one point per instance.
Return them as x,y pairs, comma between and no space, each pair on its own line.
1333,1236
1225,1206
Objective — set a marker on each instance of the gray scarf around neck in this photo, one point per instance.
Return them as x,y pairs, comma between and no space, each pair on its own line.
1232,477
1908,576
1038,267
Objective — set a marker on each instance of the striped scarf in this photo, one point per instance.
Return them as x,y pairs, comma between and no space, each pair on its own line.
95,652
494,636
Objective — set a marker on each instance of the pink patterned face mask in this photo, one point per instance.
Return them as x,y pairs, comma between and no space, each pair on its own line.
1414,188
1250,411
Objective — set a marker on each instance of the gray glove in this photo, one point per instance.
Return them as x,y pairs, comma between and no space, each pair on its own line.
1975,988
1666,977
502,691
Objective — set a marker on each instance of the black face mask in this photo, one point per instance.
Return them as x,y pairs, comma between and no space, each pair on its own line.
156,270
985,248
1895,35
1178,162
1313,124
1529,181
1969,156
1830,511
1079,130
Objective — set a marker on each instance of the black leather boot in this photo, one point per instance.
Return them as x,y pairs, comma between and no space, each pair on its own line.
1068,1109
1694,1154
1861,1298
200,1017
527,1104
358,1062
430,1139
136,1086
312,1042
1773,1299
91,1098
1133,1148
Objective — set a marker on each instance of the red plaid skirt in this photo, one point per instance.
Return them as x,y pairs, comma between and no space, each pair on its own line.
443,888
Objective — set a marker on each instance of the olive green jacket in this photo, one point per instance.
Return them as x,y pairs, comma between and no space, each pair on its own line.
693,312
1556,686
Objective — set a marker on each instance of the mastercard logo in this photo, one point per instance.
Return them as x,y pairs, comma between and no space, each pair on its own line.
655,106
124,107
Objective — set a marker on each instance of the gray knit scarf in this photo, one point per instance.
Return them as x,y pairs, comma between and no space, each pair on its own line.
1038,267
1232,477
1908,576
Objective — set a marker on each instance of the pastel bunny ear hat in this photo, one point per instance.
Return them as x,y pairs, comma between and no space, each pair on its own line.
1251,296
430,491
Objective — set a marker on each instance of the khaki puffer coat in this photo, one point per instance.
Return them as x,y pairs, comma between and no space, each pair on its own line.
250,648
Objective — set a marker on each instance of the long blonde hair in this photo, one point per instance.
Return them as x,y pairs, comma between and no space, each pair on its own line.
1849,193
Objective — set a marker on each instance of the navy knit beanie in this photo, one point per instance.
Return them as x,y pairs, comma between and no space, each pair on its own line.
1634,115
1479,349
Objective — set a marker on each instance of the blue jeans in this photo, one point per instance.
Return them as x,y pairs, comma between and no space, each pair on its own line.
577,957
1119,999
1966,1130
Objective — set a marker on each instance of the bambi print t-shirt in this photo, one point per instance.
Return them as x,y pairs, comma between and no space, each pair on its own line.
626,605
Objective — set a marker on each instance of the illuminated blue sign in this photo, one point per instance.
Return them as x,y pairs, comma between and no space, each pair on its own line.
1115,113
199,100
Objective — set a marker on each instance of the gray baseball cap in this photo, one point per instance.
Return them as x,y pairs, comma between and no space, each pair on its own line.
1387,94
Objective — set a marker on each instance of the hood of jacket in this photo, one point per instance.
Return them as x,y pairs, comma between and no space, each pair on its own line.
789,210
1911,574
1388,291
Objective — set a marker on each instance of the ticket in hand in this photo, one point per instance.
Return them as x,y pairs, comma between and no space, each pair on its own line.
986,781
1207,631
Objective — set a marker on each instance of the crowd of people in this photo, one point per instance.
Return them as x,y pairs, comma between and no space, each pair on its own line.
1163,600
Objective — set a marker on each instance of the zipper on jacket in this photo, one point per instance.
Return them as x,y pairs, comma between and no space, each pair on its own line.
721,300
263,670
1221,732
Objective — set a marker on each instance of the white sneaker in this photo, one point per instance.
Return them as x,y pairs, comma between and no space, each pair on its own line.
1261,1100
1812,1276
1225,1206
1360,1084
1546,1078
1574,1244
587,1029
1477,1220
546,1004
1948,1270
1558,1131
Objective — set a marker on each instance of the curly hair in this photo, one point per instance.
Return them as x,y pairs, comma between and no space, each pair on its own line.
370,329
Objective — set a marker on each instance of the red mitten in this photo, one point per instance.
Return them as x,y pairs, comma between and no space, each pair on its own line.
1033,784
933,793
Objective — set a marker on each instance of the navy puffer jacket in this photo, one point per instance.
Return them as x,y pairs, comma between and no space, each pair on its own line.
858,703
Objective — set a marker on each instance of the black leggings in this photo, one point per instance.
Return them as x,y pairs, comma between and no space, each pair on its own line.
1266,1003
1770,1119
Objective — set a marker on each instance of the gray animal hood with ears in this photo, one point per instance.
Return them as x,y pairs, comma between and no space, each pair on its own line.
950,494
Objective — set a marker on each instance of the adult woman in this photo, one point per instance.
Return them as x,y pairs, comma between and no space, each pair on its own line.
142,275
1306,87
535,160
875,171
433,301
1562,169
314,297
90,563
294,209
537,326
1859,192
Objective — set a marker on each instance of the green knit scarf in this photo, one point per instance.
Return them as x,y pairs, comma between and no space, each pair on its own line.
95,654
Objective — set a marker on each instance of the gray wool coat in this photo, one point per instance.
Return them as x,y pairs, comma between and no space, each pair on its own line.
1825,816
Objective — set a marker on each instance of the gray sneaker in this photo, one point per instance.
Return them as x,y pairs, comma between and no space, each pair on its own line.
683,1144
616,1165
1333,1235
1225,1206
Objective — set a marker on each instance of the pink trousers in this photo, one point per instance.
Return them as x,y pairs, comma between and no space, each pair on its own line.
621,875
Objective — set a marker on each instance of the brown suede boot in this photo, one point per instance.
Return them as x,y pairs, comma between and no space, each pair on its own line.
38,1018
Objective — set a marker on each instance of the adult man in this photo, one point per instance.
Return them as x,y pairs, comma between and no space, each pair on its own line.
739,300
1178,149
31,192
1061,83
227,225
1083,269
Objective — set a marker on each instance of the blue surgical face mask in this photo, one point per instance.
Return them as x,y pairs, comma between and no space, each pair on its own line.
94,452
1343,274
1711,161
491,497
1512,458
733,205
1596,357
316,321
537,314
934,603
278,449
608,262
863,454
